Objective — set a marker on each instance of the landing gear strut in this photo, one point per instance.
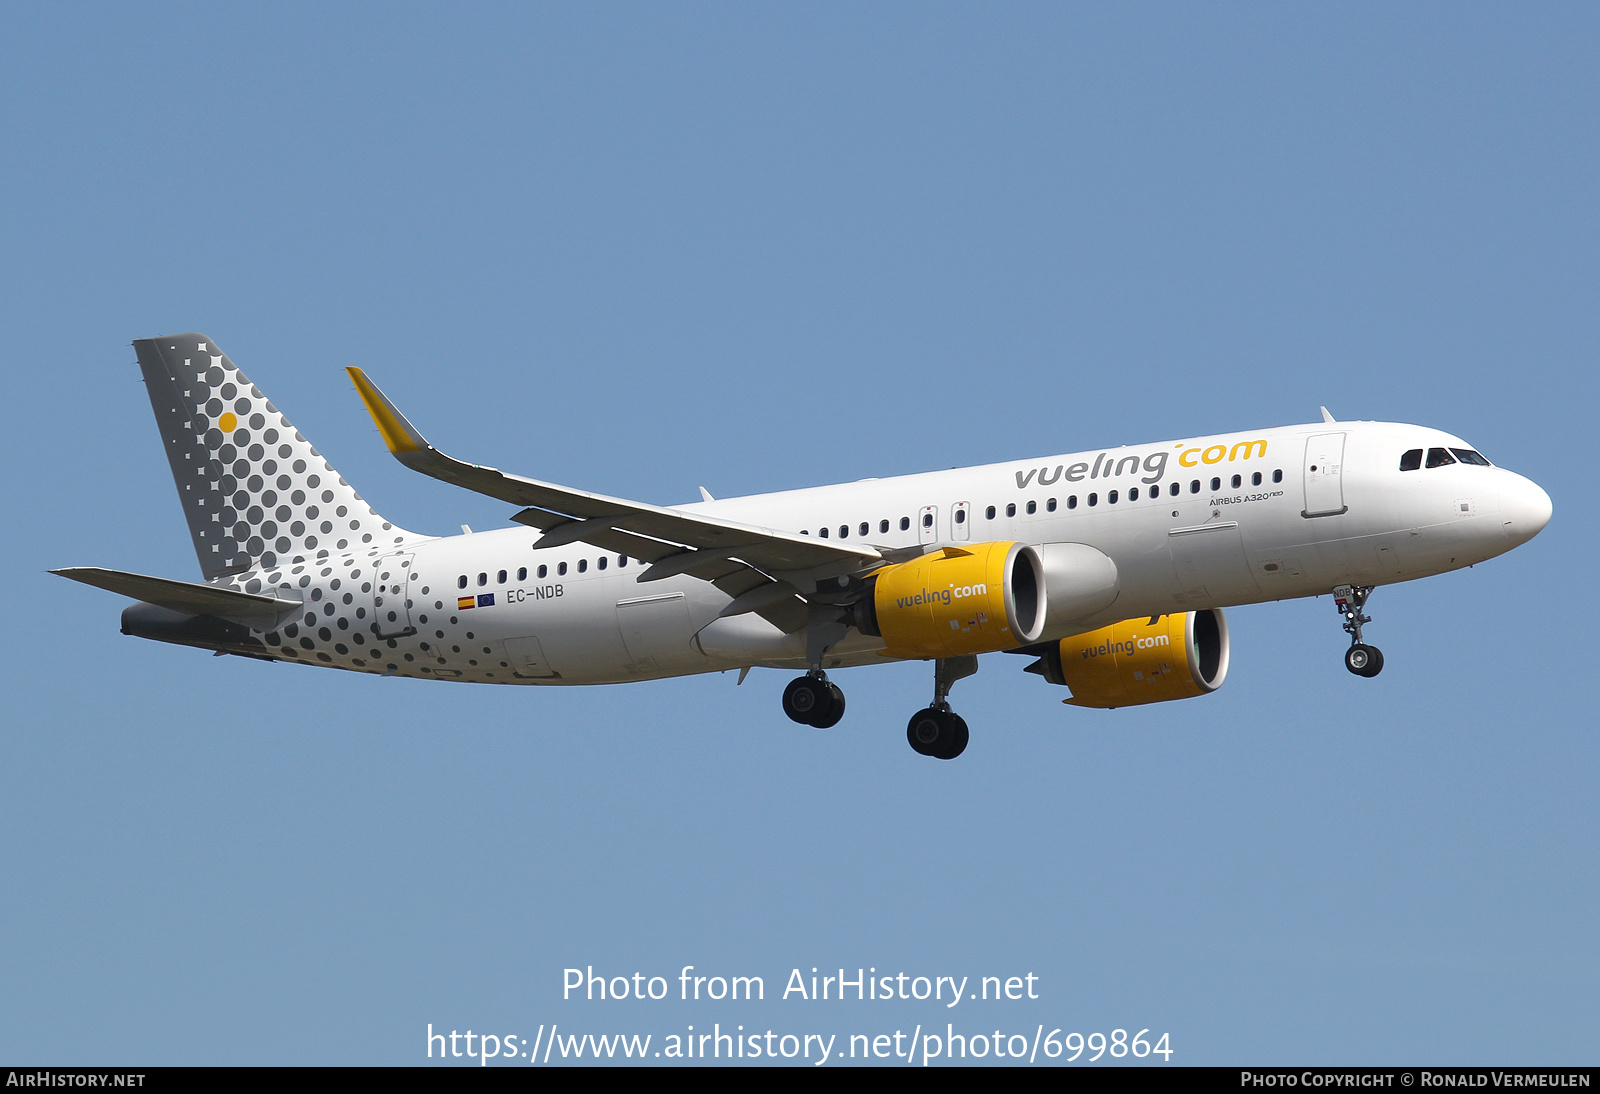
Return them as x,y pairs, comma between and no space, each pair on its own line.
1360,658
814,700
937,730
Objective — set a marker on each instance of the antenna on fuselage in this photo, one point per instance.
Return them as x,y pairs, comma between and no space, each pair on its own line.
1329,418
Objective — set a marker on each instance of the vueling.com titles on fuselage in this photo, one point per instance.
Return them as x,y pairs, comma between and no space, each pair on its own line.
1106,466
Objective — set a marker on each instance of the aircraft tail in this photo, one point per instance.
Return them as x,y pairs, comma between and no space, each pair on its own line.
255,492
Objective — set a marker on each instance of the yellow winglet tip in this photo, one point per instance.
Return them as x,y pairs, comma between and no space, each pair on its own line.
397,433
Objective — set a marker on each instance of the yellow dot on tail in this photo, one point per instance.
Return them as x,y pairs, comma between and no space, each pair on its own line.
227,423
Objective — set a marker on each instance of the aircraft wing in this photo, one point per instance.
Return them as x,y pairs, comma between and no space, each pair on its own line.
183,596
739,558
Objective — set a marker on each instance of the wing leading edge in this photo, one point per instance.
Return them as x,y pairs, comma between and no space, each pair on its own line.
762,568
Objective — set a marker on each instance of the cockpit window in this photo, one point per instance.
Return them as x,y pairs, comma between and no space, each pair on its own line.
1411,460
1467,455
1438,457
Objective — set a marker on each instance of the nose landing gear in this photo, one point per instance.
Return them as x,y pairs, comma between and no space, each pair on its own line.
814,700
1360,658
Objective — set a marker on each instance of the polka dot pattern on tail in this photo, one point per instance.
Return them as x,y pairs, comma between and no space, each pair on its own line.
240,496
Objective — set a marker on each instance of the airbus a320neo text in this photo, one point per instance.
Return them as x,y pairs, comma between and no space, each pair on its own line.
1110,569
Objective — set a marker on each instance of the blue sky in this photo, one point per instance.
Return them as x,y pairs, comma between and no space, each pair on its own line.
640,249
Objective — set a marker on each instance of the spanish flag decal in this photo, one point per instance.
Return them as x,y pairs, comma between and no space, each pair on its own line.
465,602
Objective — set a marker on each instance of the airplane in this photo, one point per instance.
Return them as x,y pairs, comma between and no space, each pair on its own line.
1111,568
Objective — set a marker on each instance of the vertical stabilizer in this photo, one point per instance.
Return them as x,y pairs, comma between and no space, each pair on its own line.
255,492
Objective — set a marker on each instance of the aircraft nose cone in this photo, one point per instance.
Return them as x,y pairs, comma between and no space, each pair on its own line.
1525,508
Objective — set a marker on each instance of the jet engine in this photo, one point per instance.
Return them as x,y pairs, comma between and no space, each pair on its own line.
1079,581
958,600
1140,660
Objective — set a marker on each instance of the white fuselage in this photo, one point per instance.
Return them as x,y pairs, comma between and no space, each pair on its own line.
1267,515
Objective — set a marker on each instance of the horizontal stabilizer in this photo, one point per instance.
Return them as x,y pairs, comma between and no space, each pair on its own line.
183,596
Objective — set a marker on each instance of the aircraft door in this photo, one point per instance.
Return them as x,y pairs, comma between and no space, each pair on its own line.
1324,469
928,524
391,596
960,528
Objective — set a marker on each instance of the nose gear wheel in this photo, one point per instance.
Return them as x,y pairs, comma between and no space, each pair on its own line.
1364,660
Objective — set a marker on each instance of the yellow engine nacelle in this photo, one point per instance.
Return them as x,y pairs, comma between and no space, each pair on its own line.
1135,661
958,600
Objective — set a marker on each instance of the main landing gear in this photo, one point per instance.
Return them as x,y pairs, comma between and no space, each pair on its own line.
937,730
814,700
941,734
1360,658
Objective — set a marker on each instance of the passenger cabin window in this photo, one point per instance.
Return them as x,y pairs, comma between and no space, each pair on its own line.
1194,486
989,513
927,520
865,528
583,565
1072,501
622,560
1133,495
522,573
1255,480
1094,499
461,582
1411,460
483,579
1174,488
1237,482
600,563
883,526
1216,484
1467,455
823,532
905,524
1033,507
561,567
500,578
1277,476
844,531
1051,505
1011,510
544,571
961,516
1438,457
